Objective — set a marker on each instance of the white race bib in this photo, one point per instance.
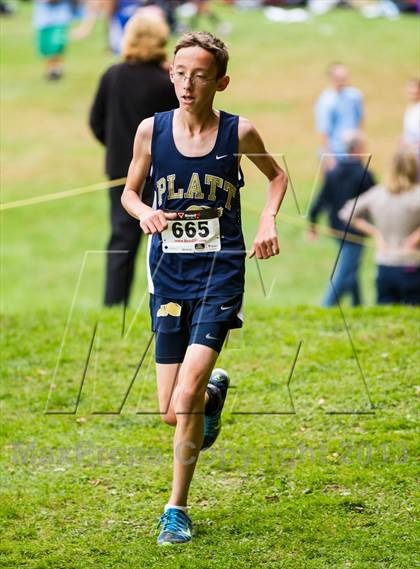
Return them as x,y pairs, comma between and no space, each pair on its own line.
196,231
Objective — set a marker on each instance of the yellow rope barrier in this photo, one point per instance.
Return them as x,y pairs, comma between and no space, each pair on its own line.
60,195
324,230
118,182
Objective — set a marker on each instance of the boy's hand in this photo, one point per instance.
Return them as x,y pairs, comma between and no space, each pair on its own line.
265,244
155,220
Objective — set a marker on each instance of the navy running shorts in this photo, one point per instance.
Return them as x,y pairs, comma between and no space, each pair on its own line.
179,323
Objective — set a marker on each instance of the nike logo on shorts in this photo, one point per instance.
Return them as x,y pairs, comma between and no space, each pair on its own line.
209,337
220,157
225,307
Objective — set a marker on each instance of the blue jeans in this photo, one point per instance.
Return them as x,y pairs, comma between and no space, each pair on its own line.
345,279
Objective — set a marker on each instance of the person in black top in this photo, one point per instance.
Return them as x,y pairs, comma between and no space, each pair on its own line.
128,93
346,181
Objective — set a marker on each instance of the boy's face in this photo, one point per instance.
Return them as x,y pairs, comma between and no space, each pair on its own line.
194,74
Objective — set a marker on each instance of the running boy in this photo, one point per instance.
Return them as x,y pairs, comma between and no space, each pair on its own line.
196,254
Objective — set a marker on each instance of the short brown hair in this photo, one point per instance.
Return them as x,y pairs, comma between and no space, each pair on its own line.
145,37
403,172
210,43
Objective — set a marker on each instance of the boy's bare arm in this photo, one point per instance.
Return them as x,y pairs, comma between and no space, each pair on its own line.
265,244
151,220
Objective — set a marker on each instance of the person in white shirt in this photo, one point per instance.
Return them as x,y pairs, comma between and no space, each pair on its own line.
411,128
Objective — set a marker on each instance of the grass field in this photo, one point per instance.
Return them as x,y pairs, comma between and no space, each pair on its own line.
305,490
319,477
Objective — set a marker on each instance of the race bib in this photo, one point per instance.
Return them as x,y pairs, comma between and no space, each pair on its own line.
196,231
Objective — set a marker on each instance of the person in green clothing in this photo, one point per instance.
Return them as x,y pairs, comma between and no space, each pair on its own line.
51,20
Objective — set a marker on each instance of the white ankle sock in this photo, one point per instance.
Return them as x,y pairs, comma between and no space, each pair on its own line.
183,508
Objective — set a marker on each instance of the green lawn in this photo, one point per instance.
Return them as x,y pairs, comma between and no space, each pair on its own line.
321,477
324,487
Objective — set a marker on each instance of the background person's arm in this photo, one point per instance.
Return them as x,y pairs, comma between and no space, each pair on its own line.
412,242
369,229
360,110
357,211
323,123
98,111
320,204
265,244
93,9
110,7
151,220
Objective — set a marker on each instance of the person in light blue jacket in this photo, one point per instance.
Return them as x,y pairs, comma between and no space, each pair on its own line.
338,112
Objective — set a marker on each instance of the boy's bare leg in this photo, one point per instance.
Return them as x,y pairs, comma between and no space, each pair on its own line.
188,403
54,65
167,380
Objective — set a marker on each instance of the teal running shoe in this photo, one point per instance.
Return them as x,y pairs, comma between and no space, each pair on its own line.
218,385
176,527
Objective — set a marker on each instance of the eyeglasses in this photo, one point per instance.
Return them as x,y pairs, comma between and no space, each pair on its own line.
196,79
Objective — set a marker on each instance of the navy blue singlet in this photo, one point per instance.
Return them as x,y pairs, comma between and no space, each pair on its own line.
213,180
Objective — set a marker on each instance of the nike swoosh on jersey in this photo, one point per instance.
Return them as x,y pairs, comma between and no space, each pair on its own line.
225,307
220,157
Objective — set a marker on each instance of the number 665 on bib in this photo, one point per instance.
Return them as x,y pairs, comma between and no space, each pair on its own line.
193,232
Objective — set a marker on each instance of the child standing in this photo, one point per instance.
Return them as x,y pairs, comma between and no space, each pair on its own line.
51,21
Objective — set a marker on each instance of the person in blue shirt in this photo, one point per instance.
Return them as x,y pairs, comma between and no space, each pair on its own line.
196,259
120,11
338,111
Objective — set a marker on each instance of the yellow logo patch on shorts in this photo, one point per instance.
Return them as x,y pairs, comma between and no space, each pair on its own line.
170,309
